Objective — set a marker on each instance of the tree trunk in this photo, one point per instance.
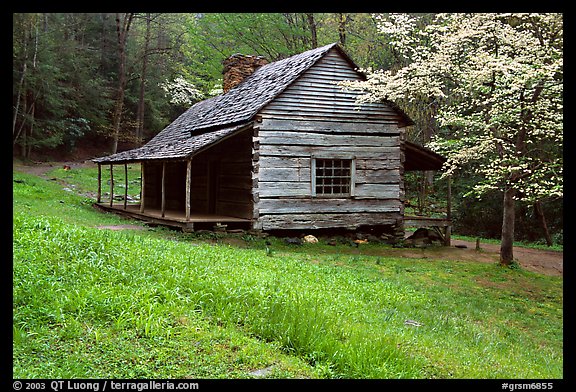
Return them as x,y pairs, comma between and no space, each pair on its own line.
29,149
33,103
24,139
118,107
312,26
140,114
542,220
103,46
507,243
343,20
18,98
422,193
428,131
19,94
122,32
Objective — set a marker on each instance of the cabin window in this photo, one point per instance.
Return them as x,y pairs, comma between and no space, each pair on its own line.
333,177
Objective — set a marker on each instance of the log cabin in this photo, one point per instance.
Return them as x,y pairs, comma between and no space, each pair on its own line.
283,148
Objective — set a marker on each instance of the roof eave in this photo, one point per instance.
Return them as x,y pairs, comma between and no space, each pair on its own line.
240,127
421,158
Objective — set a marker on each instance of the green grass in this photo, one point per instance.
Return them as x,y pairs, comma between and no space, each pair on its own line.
90,303
554,247
85,179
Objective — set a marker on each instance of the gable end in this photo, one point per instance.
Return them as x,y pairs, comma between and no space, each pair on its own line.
315,96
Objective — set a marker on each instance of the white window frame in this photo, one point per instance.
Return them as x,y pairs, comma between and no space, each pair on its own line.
350,158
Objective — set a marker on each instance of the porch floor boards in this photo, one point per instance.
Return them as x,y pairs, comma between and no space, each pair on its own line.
171,217
424,221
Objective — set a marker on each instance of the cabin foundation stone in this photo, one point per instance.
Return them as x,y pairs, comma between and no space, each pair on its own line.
188,227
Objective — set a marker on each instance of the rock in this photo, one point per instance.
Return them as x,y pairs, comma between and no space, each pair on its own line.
310,239
420,242
423,238
422,233
220,227
257,233
413,323
373,239
293,241
262,372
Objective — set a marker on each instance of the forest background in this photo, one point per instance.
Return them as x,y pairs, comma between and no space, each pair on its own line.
103,82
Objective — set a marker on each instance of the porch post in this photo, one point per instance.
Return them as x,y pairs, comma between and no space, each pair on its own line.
99,194
125,184
111,183
448,213
163,188
142,187
188,181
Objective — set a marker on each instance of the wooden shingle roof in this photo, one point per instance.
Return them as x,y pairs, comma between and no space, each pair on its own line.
212,119
175,149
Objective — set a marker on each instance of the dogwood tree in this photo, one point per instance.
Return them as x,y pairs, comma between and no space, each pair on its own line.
498,82
181,92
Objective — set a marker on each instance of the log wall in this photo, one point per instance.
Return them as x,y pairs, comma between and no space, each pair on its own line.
315,118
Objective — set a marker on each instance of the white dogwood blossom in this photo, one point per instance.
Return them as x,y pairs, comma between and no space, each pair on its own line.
498,83
181,91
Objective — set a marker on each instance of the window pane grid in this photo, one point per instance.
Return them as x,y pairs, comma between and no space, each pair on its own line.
333,177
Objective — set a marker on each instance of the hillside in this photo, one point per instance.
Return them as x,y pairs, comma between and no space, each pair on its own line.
93,303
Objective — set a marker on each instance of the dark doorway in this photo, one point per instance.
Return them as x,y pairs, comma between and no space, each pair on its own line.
213,185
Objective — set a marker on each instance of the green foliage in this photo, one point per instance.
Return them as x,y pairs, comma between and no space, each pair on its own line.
423,198
528,227
482,218
58,90
494,84
66,64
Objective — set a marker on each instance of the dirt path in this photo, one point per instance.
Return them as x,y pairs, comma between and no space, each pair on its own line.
41,168
542,261
547,262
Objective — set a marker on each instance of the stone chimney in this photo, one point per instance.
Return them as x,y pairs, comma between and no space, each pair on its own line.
238,67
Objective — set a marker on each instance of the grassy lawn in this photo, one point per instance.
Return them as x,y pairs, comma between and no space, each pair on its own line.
154,303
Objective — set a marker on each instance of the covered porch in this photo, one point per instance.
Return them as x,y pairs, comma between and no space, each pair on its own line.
175,193
208,183
419,158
